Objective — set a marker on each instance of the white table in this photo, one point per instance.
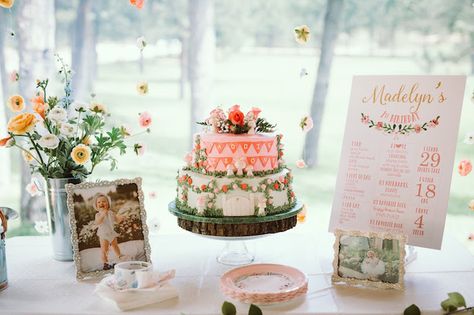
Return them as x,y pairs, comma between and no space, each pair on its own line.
40,285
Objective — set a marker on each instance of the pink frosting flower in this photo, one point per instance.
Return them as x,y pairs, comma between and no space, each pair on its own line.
300,164
145,120
417,128
465,167
365,119
379,125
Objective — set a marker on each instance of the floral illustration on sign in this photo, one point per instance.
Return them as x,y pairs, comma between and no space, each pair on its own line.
401,129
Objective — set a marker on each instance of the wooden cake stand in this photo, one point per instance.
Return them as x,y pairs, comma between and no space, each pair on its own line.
235,230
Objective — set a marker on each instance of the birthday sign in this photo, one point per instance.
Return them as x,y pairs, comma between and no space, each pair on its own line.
397,156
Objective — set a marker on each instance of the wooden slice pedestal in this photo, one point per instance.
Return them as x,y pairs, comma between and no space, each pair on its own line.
236,226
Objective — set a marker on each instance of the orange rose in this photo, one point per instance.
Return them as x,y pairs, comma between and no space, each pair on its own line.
236,116
22,123
39,106
7,4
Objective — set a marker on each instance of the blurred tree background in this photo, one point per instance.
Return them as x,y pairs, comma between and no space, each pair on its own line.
203,53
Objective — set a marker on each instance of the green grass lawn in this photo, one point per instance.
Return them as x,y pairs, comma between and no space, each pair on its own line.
272,83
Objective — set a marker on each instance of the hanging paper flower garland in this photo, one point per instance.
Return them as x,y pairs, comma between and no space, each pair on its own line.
302,34
137,3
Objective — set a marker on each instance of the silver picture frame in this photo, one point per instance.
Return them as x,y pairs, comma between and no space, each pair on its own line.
70,189
356,278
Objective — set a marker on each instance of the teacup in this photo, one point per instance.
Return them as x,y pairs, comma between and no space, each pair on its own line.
133,275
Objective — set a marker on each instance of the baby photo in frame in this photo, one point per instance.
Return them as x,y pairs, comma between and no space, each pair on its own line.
108,225
369,259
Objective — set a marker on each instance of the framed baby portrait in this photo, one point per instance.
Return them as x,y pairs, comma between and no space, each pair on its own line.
108,225
369,259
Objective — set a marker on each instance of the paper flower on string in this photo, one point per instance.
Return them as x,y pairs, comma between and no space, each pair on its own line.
137,3
471,205
145,120
302,34
7,4
42,227
465,167
303,72
16,103
14,76
32,189
469,138
139,149
141,42
306,123
300,164
142,88
301,216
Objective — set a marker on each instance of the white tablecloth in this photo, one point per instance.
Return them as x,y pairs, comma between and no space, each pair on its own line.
40,285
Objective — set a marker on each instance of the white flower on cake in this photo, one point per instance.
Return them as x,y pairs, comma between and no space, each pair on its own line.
262,203
230,170
249,170
57,114
240,164
201,203
49,141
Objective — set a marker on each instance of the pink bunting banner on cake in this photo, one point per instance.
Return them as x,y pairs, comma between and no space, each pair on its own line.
397,156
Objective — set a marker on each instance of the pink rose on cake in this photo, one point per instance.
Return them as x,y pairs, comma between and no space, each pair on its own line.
236,116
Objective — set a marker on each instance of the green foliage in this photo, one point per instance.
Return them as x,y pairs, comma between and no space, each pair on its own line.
262,125
255,310
454,301
412,310
229,309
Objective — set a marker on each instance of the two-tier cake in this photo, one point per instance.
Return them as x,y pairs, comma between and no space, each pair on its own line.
235,182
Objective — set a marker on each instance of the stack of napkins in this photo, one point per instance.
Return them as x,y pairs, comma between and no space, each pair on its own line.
128,299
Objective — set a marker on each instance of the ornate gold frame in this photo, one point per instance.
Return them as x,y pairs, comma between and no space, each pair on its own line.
336,279
80,275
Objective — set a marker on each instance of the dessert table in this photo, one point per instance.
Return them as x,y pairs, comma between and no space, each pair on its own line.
40,285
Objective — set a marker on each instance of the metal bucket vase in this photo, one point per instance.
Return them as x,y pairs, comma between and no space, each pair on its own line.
58,217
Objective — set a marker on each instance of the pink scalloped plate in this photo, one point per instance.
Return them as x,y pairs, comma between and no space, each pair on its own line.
264,283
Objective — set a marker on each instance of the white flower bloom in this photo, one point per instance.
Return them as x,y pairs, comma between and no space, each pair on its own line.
57,114
49,141
80,107
67,130
141,42
42,227
469,138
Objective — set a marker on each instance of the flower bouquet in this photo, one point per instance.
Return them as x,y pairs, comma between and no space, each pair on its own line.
64,142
